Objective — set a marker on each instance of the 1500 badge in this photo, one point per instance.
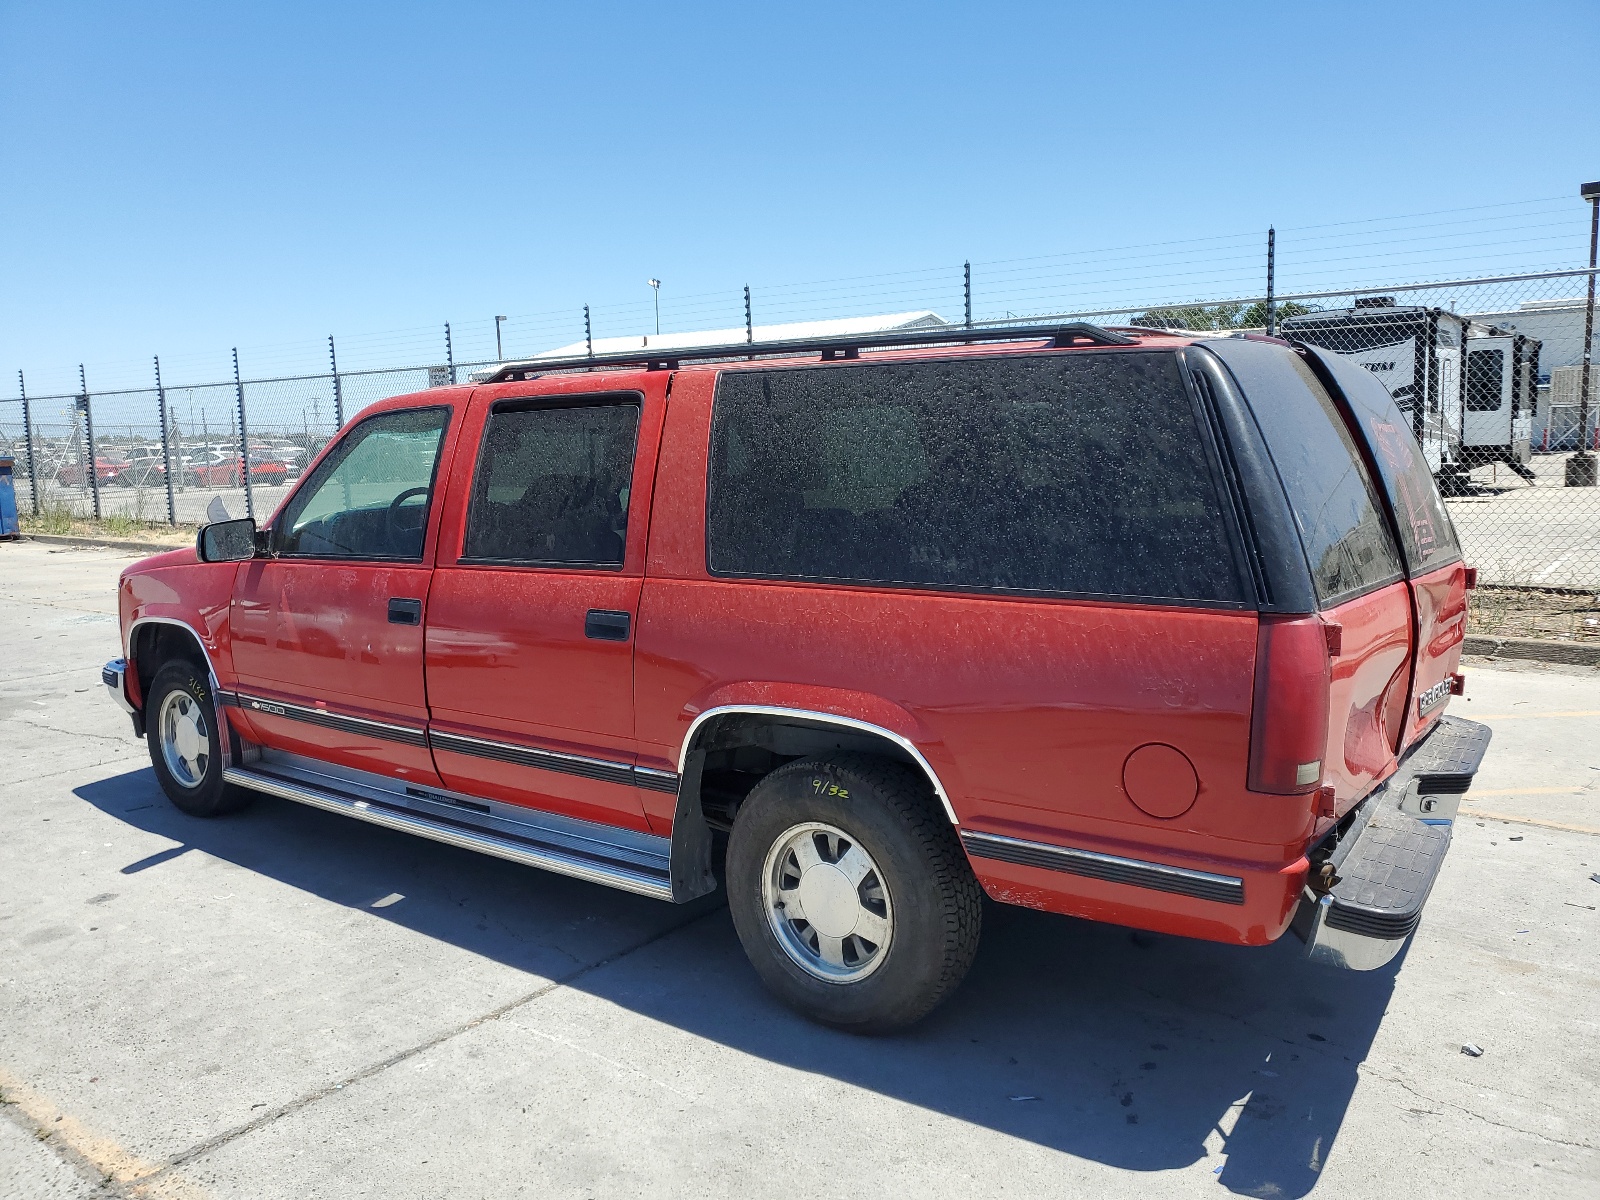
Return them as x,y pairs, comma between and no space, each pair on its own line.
1433,697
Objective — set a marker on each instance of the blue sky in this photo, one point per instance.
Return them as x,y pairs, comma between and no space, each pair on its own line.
182,178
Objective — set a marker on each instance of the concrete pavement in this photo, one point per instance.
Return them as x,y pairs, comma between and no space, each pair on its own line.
286,1003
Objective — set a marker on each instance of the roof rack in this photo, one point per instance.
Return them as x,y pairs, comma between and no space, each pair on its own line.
1073,333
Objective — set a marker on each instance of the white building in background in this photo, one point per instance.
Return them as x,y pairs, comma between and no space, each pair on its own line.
1558,324
735,338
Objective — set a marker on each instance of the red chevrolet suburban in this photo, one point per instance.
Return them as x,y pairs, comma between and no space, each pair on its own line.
1148,629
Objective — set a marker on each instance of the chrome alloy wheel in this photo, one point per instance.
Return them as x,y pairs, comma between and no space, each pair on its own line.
185,740
827,903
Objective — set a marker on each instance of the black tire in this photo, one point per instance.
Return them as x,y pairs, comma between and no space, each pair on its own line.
207,795
888,810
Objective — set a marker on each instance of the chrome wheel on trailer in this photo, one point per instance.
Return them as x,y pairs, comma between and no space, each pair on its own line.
827,903
185,739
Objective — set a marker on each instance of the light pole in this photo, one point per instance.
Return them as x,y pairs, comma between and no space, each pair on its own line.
1581,466
498,353
655,286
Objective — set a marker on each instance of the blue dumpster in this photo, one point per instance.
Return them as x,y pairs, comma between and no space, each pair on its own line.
8,501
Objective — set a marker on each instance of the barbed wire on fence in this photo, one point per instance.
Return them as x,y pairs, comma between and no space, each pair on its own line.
122,451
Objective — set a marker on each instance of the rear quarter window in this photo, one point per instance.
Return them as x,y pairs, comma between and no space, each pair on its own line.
1336,506
1071,474
1427,535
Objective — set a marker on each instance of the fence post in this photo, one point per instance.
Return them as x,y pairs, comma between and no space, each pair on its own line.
27,440
588,333
244,439
166,444
1272,306
966,277
94,459
749,325
449,352
1580,467
338,392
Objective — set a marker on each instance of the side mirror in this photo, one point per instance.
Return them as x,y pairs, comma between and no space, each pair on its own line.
227,541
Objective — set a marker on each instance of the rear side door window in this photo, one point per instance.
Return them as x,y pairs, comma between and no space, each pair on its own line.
1074,474
552,486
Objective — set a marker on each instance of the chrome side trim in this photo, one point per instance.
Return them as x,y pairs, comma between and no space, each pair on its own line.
1160,877
823,718
127,648
114,675
411,735
516,850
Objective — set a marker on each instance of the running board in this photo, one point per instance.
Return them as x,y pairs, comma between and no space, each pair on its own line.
533,848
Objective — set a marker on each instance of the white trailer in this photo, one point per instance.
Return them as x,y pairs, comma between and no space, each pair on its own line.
1500,398
1416,353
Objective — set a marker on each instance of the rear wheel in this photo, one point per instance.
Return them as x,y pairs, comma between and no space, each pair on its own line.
181,727
850,892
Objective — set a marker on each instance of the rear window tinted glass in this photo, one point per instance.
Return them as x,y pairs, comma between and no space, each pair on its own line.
552,486
1335,504
1076,474
1427,535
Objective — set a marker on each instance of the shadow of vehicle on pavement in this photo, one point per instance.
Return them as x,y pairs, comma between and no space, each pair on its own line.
1121,1047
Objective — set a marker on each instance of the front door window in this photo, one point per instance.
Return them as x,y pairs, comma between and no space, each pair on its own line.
369,499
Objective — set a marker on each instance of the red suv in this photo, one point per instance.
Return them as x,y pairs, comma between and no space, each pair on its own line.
1119,624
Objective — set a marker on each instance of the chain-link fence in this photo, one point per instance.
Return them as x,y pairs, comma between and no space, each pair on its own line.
1488,370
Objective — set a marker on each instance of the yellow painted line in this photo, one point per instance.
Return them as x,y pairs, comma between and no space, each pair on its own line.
1566,791
103,1154
1494,816
1587,712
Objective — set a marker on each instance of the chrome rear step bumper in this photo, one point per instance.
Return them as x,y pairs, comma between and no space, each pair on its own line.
1386,861
543,841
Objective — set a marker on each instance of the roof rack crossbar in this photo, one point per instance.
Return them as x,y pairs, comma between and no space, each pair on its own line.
1072,333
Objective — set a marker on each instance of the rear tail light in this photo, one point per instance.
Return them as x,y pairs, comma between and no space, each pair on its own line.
1289,722
1470,577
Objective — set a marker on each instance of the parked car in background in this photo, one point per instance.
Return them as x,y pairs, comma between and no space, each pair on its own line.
108,467
1148,629
222,469
147,467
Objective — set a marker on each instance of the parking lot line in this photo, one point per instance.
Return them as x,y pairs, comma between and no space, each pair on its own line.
1555,791
1494,816
88,1149
1587,712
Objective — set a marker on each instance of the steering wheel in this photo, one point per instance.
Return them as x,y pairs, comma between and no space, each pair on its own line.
392,527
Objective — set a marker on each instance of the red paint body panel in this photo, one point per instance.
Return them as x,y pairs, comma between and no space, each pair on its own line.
316,632
1440,598
507,655
1371,678
1025,708
176,586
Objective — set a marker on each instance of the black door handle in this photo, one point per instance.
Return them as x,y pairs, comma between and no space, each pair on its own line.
606,625
405,612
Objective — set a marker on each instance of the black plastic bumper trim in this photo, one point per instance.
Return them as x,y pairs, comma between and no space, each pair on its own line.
527,756
1202,885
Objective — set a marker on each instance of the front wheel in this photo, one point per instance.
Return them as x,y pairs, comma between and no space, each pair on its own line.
850,892
182,729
